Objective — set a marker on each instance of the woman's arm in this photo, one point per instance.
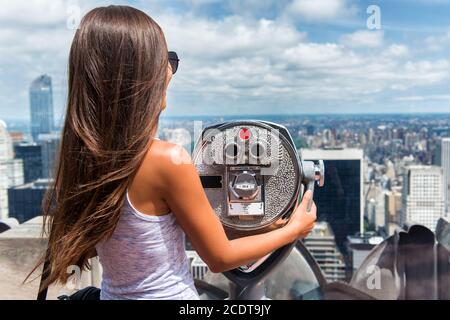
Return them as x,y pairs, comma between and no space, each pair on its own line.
186,198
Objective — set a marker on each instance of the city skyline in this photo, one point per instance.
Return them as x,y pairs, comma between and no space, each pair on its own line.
322,57
13,121
365,199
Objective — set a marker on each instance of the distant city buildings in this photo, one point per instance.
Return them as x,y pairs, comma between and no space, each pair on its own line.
374,206
340,200
359,247
41,106
423,195
11,170
25,201
372,183
49,152
443,160
3,192
31,155
26,162
178,136
310,130
16,137
6,146
321,243
392,209
14,172
197,266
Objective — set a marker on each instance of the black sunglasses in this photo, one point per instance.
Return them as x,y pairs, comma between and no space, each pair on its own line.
173,60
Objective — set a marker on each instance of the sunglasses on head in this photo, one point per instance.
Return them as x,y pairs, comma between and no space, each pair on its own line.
173,60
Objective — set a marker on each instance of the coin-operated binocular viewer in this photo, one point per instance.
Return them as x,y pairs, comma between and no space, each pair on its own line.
253,178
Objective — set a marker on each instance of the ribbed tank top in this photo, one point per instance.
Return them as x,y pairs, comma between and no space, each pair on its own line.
145,258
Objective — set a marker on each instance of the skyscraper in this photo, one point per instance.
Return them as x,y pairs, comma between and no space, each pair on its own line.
322,245
443,159
423,195
5,154
49,152
11,170
41,106
31,154
25,201
197,266
6,147
359,247
340,200
392,209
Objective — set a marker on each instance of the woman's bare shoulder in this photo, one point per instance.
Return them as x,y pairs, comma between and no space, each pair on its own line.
165,158
164,165
167,153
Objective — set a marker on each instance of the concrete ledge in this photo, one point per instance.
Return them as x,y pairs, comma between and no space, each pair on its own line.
20,249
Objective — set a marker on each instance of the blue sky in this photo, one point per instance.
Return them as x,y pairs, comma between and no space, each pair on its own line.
255,56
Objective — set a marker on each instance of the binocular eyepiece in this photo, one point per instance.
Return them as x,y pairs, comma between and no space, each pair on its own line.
253,177
252,174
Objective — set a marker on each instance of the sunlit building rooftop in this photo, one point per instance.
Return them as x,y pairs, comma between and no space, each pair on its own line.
322,245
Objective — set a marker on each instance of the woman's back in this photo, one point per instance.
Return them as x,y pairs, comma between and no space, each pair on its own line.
116,95
145,259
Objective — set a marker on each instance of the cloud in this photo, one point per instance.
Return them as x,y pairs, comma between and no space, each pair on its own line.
237,63
437,43
264,59
32,13
233,36
363,39
396,51
324,57
250,59
320,10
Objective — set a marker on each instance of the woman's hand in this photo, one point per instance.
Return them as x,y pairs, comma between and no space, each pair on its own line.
302,222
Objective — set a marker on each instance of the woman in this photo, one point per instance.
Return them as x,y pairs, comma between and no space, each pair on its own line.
118,192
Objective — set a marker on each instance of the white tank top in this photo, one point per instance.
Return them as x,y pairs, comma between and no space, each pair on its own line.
145,259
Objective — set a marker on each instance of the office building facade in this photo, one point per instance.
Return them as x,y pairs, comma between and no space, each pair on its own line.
41,106
6,146
25,201
11,170
197,266
423,195
340,201
442,158
321,243
359,247
31,155
49,152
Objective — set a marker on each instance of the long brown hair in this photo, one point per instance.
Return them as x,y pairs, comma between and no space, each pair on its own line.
118,66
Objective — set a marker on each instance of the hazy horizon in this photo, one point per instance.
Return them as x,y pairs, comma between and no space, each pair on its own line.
25,121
